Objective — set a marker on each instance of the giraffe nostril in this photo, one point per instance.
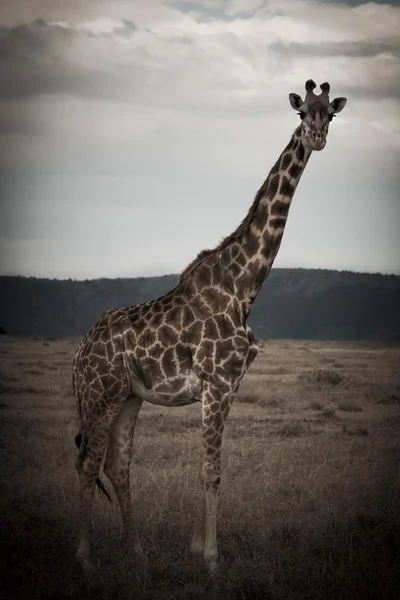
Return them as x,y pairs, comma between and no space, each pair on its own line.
317,135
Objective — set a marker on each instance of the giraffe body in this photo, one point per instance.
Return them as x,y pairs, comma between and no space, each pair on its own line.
163,350
191,345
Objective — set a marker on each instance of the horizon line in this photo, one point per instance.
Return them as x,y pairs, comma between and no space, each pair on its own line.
338,270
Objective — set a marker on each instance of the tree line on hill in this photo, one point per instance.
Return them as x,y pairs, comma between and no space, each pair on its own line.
293,304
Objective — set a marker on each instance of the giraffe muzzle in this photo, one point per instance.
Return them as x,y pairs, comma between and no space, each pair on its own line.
317,140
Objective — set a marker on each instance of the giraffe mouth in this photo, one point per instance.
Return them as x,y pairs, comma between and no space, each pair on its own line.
318,144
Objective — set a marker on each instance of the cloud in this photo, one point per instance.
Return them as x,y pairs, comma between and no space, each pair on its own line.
147,113
53,58
185,61
358,49
172,58
375,63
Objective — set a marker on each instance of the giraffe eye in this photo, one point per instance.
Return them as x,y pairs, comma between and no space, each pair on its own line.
302,114
330,117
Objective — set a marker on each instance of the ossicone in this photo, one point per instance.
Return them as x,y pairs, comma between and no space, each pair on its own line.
310,85
325,87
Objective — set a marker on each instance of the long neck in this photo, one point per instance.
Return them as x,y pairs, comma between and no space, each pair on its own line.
248,254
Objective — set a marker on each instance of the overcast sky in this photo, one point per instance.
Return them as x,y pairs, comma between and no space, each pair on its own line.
135,133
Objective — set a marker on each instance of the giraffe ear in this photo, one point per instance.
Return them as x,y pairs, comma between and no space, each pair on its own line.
295,101
338,104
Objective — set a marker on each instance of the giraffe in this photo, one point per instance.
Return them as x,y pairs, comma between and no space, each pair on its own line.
191,345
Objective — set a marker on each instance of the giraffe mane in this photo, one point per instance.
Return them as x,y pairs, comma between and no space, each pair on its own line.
204,254
191,266
237,235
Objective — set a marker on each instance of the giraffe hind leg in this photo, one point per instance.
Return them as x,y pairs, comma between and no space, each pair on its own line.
117,466
96,427
99,483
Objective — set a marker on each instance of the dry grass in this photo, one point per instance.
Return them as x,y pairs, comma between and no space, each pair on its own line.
309,503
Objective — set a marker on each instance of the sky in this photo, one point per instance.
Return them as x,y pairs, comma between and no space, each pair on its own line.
135,133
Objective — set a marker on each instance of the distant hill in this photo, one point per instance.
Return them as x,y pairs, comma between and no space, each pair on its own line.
293,304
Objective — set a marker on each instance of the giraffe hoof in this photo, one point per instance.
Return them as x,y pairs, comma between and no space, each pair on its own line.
212,567
197,548
137,555
86,564
211,564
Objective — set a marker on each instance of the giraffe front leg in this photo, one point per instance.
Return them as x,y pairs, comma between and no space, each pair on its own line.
197,545
198,536
216,406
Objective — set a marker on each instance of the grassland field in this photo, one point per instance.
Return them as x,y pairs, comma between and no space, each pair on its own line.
309,498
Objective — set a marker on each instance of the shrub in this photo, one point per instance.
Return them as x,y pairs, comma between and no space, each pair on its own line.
329,413
358,430
315,405
322,376
292,429
249,399
349,406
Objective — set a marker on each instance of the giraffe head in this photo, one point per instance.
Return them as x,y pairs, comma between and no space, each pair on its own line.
316,112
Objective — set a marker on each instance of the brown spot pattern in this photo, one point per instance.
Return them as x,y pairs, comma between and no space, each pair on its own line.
273,187
286,188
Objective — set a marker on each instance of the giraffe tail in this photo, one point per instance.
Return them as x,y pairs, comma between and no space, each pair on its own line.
99,483
78,437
